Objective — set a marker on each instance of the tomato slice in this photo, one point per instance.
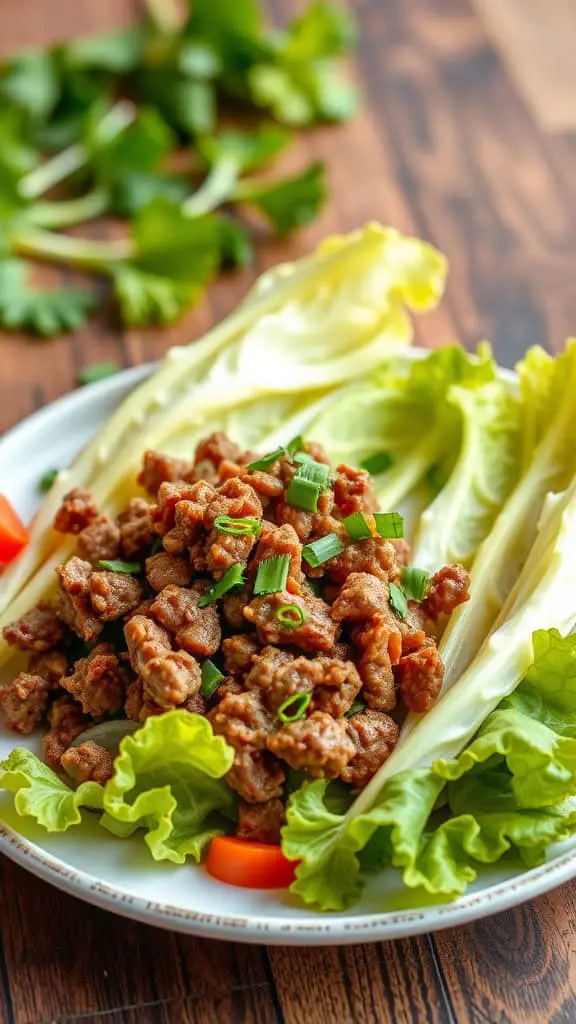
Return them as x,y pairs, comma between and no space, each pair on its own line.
13,533
250,865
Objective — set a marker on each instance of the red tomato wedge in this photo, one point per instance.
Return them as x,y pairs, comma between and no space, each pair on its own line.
13,533
250,865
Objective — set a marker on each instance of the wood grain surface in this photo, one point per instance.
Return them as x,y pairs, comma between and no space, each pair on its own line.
446,148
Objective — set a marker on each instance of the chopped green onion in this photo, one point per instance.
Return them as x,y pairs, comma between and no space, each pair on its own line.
294,707
389,524
266,461
303,457
377,463
290,616
357,527
233,577
322,550
238,527
118,565
315,472
398,601
272,575
295,445
211,679
415,582
357,706
45,482
98,371
303,494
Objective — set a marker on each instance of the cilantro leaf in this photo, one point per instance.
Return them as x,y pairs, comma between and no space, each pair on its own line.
140,147
221,18
150,299
199,59
237,249
188,105
134,191
31,82
119,51
324,30
43,312
290,202
97,371
248,150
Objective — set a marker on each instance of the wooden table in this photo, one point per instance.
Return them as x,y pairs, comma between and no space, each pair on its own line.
464,139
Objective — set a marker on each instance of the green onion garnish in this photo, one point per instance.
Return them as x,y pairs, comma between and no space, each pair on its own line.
119,565
357,706
322,550
290,616
398,601
267,460
377,463
211,679
233,577
315,472
272,575
303,494
45,482
356,526
389,524
294,707
415,582
238,527
295,445
98,371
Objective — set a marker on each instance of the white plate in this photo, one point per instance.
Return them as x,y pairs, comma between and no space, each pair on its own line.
121,876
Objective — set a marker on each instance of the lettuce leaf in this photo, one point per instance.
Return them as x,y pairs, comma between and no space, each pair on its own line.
551,430
307,326
507,794
486,471
168,780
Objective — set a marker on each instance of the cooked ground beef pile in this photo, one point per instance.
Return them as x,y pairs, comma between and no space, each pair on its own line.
318,659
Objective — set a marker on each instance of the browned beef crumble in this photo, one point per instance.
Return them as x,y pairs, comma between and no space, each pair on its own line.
344,655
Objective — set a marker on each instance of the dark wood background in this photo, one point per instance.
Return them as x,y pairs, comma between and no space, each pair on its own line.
465,139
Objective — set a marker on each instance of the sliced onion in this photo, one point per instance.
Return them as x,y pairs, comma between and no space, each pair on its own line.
107,734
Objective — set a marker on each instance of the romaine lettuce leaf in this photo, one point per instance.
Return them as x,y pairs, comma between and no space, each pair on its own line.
507,794
168,780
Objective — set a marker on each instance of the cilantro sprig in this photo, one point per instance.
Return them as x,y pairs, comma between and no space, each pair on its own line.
102,117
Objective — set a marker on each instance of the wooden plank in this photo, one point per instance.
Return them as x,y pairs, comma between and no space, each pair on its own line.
536,40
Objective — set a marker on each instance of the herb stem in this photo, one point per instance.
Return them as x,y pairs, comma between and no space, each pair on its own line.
61,166
217,187
79,252
69,211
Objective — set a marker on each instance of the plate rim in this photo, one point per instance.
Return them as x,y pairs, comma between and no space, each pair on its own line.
316,928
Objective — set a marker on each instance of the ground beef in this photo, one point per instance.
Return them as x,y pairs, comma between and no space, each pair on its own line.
280,540
419,676
197,629
88,763
114,594
169,496
245,724
158,468
228,685
135,707
374,736
145,640
239,652
188,517
446,589
373,555
223,550
318,632
261,823
264,667
23,702
338,686
403,551
362,596
163,569
333,683
97,682
66,723
196,705
51,665
39,630
233,605
136,529
171,678
354,491
236,499
74,605
99,541
76,512
215,448
301,522
414,627
318,744
381,649
316,452
266,484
